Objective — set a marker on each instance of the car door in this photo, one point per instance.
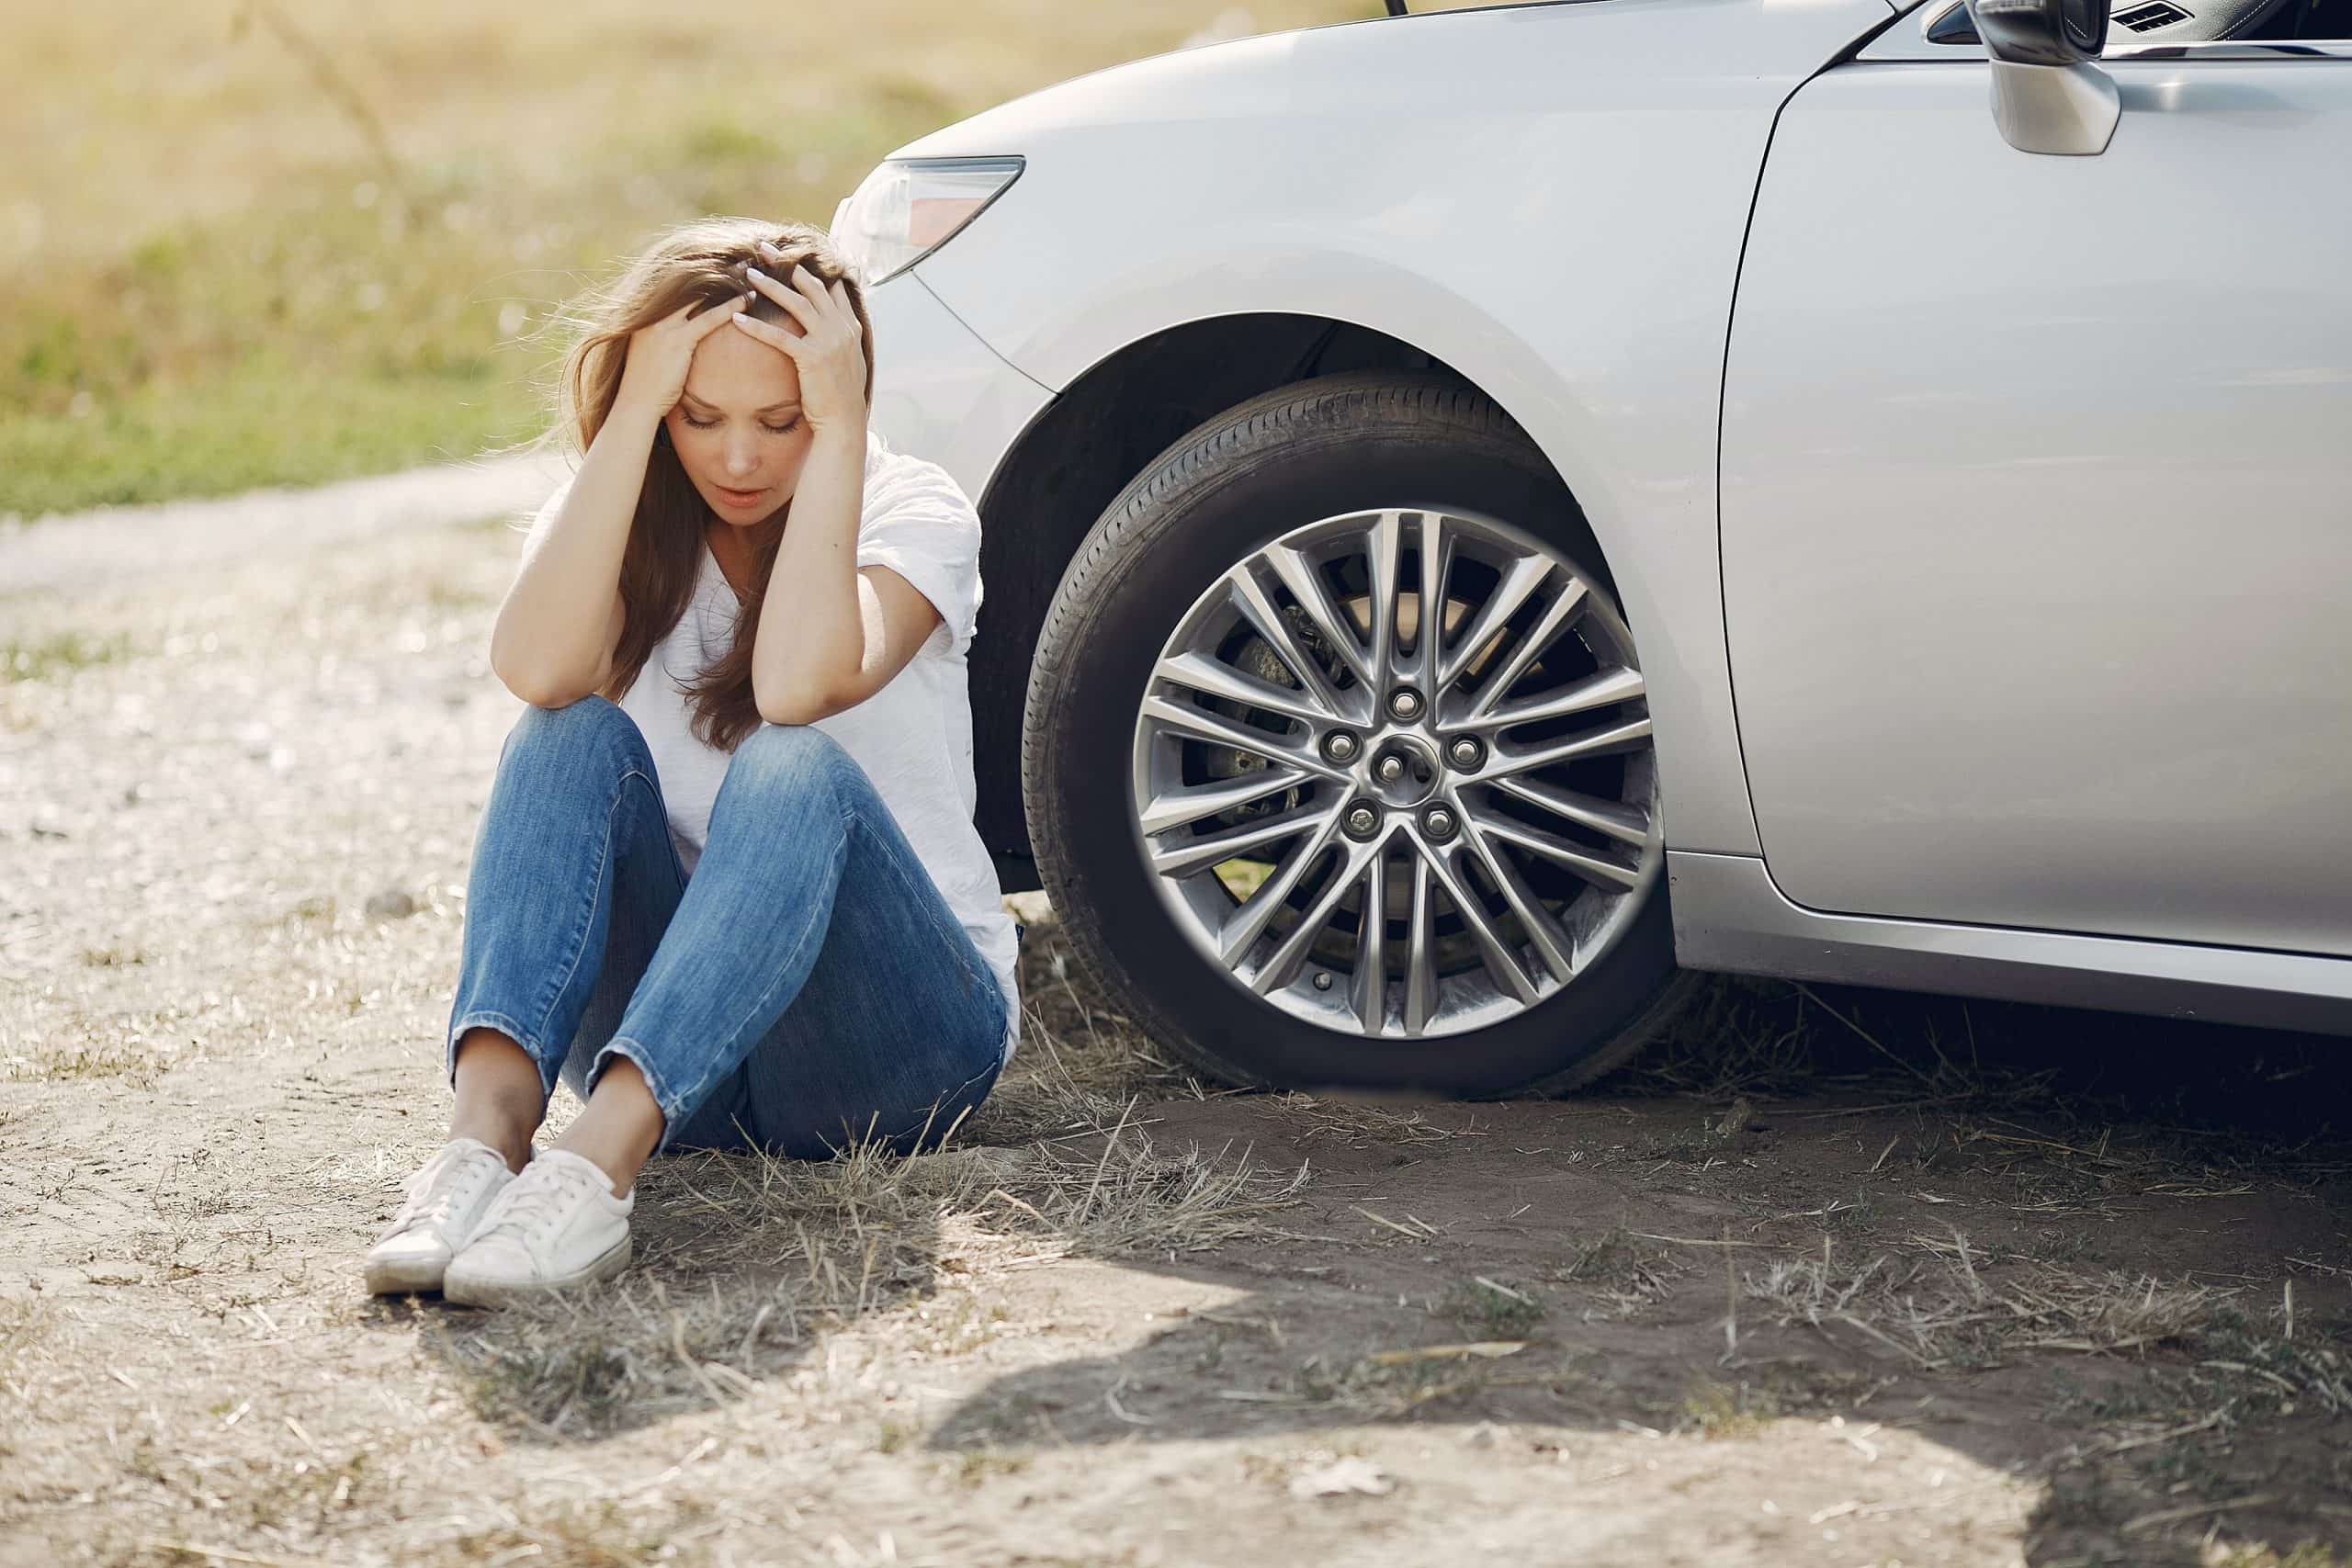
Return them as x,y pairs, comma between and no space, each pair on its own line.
2036,500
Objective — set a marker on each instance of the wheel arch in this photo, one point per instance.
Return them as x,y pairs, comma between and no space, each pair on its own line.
1077,453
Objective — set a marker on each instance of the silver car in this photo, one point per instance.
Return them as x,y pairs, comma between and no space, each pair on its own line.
1484,509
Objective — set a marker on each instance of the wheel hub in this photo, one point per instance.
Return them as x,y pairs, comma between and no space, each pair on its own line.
1403,772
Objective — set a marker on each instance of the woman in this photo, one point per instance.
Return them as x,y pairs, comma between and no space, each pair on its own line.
727,885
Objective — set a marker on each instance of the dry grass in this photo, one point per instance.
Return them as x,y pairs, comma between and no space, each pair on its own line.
1948,1309
2305,1554
1622,1277
1941,1312
782,1252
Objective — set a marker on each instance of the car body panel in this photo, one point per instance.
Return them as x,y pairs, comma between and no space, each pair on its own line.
1729,917
939,392
1550,199
2037,609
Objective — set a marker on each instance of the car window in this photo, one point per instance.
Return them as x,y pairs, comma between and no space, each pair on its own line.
2167,21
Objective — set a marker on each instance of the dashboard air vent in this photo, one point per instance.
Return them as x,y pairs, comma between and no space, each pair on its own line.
2155,14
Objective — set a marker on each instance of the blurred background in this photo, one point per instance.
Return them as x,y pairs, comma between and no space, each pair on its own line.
245,242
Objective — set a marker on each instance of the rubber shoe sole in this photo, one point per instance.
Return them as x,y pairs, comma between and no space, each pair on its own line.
403,1276
457,1287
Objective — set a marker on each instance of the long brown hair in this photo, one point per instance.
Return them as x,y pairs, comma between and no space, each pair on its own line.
702,261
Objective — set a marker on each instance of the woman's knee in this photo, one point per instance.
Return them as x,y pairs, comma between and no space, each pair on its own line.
593,728
789,759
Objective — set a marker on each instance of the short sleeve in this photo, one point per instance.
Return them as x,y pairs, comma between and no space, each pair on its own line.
544,519
918,521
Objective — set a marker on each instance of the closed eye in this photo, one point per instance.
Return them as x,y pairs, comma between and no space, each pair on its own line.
771,429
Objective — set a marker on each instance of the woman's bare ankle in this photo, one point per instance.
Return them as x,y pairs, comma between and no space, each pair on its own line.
500,1101
508,1134
620,1128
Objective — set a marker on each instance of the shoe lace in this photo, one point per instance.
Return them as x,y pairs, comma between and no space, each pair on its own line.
535,1202
454,1194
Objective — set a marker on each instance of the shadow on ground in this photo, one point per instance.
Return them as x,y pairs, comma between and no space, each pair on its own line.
1847,1269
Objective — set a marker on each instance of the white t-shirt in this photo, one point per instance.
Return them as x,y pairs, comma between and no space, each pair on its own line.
913,738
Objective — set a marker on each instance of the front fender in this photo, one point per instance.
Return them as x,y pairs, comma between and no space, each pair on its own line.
1549,199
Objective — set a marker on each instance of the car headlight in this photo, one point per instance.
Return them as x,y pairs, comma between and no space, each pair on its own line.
907,208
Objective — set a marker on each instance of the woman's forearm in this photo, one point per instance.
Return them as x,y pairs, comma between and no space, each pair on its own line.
811,637
556,628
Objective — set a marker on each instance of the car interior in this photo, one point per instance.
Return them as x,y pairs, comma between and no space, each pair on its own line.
2188,21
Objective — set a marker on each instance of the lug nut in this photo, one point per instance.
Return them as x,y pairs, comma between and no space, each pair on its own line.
1362,822
1390,768
1340,746
1322,979
1405,704
1465,753
1438,822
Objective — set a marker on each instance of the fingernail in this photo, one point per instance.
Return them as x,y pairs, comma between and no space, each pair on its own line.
743,315
755,272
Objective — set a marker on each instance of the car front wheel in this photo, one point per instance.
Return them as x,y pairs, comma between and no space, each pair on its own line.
1337,757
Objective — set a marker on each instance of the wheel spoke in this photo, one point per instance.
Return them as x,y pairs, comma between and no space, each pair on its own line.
1217,679
1420,951
1564,608
1602,689
1249,597
1626,824
1369,990
1306,584
1431,548
1199,723
1611,875
1551,944
1501,962
1381,550
1526,574
1282,966
1181,807
1625,736
1244,925
1188,855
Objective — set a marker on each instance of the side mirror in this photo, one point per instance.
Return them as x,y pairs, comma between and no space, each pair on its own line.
2048,95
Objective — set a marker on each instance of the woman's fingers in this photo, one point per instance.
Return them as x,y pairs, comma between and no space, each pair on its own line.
792,301
711,320
775,337
806,281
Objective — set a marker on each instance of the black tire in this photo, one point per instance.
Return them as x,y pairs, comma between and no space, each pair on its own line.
1313,449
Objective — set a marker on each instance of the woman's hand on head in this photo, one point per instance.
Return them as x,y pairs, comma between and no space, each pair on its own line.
653,377
827,351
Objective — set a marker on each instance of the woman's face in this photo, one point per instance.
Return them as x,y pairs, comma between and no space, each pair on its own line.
738,430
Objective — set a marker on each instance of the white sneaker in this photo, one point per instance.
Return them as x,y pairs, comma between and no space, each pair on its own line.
555,1227
447,1199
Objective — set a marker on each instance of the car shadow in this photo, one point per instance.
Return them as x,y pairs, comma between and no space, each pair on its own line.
2044,1266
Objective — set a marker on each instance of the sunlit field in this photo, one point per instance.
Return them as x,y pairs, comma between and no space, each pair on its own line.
253,243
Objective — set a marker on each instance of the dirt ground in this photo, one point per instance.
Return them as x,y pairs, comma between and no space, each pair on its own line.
1836,1277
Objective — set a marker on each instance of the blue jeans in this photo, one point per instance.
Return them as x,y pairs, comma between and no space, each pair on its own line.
806,987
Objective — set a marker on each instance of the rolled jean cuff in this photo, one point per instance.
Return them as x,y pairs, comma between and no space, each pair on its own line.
512,1030
674,1114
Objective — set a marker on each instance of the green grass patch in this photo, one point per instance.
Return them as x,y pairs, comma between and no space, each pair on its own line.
42,658
239,262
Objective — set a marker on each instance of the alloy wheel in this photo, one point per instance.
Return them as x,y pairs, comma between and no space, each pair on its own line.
1392,772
